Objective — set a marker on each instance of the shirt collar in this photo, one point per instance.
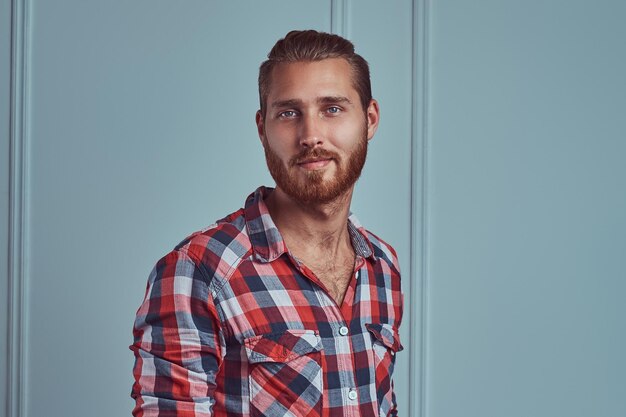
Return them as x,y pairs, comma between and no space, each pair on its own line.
267,242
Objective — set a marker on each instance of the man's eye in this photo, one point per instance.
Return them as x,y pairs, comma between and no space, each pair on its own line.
287,114
333,109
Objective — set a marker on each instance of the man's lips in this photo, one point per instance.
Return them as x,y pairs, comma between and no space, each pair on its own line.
314,163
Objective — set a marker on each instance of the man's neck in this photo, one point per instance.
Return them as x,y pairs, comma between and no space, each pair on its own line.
311,228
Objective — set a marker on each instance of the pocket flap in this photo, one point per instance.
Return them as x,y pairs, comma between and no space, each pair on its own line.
386,334
282,347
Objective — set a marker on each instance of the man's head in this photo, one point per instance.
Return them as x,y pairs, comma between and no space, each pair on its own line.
310,45
316,116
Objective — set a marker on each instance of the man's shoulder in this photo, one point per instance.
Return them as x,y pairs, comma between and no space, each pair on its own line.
382,249
225,241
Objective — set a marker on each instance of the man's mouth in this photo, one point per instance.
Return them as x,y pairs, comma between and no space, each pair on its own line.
314,163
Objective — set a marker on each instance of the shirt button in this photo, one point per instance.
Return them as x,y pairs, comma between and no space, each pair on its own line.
352,394
343,330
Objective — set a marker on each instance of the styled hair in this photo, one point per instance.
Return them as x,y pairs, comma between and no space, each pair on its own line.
311,45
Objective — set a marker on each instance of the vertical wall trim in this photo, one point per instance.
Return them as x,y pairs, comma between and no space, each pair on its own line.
340,17
18,209
419,212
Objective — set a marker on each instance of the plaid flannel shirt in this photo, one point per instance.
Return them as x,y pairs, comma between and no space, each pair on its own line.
233,325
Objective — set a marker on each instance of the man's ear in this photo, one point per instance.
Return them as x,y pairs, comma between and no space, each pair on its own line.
372,113
260,126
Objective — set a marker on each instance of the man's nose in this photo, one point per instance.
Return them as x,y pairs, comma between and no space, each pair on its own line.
311,132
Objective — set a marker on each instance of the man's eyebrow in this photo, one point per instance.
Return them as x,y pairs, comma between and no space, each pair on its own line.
286,103
279,104
333,99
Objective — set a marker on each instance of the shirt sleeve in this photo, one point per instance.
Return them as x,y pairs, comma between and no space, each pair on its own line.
399,308
178,345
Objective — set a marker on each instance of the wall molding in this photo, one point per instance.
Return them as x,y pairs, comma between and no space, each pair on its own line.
419,265
18,209
340,18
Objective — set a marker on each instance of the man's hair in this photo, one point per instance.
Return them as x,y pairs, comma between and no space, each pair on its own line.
311,45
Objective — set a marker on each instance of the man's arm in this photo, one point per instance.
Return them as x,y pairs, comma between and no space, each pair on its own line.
177,343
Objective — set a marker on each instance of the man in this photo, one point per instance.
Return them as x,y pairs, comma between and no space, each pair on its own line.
286,307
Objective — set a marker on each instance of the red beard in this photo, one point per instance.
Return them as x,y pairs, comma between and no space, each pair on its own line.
314,189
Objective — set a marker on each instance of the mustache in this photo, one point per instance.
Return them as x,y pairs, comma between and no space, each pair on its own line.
309,154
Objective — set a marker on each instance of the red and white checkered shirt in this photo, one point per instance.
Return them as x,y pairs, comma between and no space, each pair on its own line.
233,325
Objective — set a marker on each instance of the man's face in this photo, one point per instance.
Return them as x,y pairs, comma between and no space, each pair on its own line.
314,130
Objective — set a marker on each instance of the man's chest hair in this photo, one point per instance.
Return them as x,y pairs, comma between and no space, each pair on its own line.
334,273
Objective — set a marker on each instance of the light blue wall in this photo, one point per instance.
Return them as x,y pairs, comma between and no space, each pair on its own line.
499,181
5,88
527,209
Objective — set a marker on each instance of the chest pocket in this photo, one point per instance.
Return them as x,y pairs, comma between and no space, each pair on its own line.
385,345
285,374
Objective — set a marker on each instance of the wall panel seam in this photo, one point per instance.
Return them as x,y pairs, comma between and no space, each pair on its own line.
18,209
340,18
419,211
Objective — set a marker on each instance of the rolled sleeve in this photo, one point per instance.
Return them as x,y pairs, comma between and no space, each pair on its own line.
177,342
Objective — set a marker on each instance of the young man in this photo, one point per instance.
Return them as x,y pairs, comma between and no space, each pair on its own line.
287,307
